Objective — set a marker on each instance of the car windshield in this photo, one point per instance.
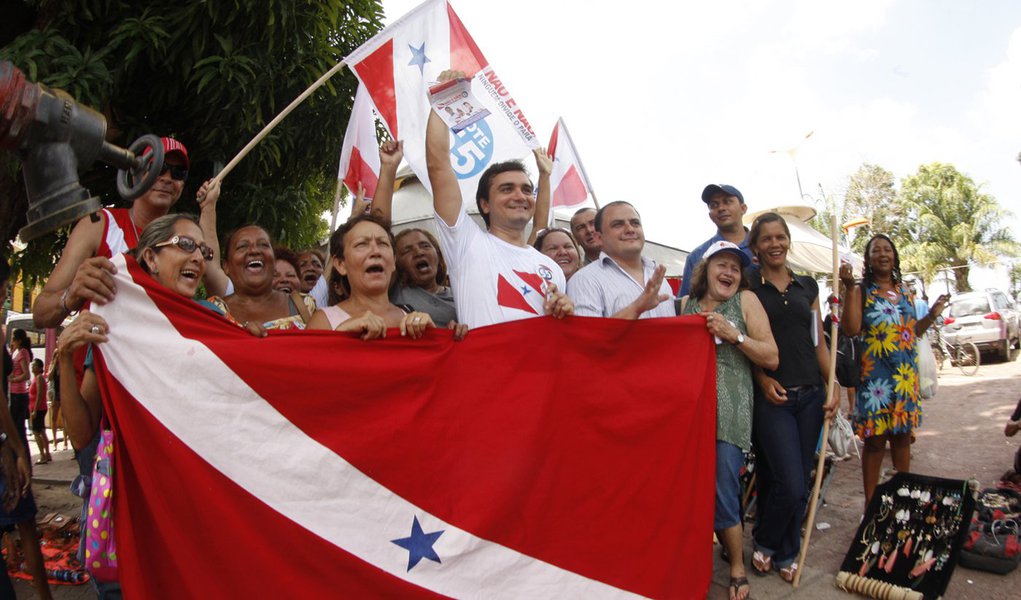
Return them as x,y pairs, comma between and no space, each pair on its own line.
966,307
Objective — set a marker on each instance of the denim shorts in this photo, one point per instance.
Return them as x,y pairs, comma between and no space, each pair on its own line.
729,460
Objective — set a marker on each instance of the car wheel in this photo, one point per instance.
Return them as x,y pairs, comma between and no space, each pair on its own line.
1005,350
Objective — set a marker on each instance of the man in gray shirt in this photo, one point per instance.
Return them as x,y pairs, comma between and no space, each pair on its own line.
621,283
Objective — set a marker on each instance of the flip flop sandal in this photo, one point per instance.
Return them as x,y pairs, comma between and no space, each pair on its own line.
736,583
788,573
761,564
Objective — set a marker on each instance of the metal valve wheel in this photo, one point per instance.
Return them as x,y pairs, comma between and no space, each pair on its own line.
148,163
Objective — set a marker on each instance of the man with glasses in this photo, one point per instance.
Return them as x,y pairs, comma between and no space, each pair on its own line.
84,270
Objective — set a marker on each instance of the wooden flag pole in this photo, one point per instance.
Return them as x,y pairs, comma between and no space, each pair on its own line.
276,120
830,390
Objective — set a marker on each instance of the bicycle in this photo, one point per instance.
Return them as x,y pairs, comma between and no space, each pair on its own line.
965,356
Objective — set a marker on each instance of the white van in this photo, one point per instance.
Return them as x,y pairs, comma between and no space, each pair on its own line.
36,335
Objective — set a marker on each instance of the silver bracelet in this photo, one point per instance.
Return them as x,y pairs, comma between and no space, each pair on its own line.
63,303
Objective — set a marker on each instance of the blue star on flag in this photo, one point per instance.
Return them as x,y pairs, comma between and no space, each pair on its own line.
525,290
418,57
419,544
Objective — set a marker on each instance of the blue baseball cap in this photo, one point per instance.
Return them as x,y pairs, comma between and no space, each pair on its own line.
714,188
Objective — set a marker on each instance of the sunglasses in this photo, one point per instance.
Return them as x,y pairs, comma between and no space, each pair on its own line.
188,245
176,173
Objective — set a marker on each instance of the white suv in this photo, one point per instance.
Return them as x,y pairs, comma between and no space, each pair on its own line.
988,319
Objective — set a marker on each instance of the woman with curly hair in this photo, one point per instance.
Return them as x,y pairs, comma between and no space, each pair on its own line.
887,406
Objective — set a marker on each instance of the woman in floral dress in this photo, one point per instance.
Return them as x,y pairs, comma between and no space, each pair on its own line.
887,406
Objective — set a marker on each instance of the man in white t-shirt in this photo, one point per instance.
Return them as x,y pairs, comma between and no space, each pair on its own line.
496,276
621,283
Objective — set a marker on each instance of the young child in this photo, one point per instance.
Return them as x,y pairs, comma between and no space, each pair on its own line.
37,408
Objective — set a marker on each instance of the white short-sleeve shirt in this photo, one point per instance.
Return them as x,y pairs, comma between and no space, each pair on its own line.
494,281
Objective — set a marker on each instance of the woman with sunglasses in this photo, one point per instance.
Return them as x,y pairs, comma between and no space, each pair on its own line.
255,303
173,251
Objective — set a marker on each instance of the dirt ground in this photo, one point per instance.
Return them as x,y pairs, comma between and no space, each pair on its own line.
961,437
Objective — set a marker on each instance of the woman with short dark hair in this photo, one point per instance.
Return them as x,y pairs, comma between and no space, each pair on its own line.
558,244
422,276
363,261
250,264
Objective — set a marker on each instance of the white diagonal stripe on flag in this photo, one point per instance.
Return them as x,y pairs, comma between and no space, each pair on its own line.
184,385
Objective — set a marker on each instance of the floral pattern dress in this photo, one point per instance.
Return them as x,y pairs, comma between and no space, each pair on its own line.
888,400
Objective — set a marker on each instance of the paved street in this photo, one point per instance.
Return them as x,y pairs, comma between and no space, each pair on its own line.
961,437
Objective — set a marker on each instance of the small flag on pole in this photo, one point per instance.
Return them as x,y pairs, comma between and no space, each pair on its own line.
401,63
570,185
359,156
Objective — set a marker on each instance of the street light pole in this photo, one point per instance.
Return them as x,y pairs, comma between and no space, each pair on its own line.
793,153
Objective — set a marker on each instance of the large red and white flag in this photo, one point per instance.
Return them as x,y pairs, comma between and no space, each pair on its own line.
315,464
570,185
399,64
359,155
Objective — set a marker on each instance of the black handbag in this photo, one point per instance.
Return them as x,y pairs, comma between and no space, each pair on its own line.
849,351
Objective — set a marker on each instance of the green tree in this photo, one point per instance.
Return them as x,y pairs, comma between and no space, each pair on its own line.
211,74
1014,273
872,193
956,225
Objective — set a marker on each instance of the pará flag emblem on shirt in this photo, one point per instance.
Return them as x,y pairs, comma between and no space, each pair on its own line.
570,185
399,64
256,468
359,155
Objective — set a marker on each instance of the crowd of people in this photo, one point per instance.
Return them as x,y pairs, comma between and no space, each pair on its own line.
771,360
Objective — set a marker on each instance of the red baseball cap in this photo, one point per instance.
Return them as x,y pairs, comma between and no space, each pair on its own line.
172,146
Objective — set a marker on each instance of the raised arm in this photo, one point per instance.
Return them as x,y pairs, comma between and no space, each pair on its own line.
923,324
79,276
850,318
542,200
215,279
390,155
447,199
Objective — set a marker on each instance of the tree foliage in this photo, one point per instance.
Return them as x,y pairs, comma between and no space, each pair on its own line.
955,224
211,74
1014,275
872,193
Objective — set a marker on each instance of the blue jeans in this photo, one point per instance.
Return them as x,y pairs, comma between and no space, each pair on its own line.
785,438
729,460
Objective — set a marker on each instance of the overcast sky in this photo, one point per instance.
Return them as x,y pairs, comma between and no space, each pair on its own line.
663,98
